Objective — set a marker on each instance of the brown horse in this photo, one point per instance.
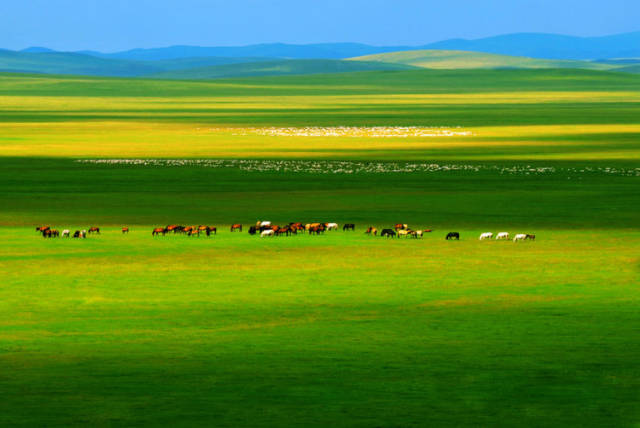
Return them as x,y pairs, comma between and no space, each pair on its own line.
317,229
237,227
401,226
174,228
158,231
125,230
283,231
94,230
372,230
50,233
42,229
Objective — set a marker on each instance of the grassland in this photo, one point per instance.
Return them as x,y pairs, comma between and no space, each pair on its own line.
340,329
453,60
280,68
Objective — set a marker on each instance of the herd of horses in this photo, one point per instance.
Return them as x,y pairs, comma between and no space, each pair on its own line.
261,228
48,232
184,230
400,229
504,236
267,229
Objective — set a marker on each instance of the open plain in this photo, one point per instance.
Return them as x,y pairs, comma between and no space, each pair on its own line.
343,328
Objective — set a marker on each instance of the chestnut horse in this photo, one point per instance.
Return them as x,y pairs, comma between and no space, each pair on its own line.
158,231
237,227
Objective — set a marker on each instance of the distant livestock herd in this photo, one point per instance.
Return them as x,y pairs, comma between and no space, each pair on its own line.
266,229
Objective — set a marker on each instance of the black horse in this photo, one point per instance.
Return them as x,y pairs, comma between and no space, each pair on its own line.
389,233
252,230
349,226
453,235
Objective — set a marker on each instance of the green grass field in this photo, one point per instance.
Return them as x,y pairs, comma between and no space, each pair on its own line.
342,329
454,60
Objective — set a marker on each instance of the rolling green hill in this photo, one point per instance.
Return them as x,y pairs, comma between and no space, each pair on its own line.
630,69
441,59
71,63
281,67
80,64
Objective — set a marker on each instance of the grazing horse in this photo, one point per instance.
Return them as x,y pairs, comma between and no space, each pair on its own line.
80,234
41,229
296,227
403,232
453,235
519,237
50,233
283,231
331,226
194,232
349,226
400,226
94,230
388,233
213,229
237,227
125,230
371,230
253,230
530,237
157,231
417,233
317,228
267,232
66,233
502,235
486,235
428,230
174,228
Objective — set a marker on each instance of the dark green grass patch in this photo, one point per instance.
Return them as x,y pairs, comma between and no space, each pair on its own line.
61,191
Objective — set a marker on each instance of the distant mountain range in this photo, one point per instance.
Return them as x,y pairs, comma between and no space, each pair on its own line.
534,45
617,52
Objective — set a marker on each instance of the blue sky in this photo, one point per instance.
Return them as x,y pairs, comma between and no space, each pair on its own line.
111,25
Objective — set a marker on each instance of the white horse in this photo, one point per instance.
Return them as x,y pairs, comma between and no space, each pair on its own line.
419,233
265,224
332,226
403,232
486,235
502,235
66,233
520,237
269,232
